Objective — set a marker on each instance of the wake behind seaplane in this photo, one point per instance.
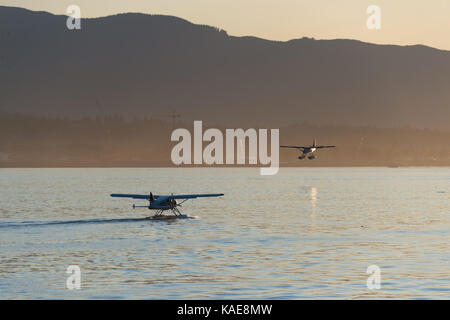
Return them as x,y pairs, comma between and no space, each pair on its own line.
307,151
162,203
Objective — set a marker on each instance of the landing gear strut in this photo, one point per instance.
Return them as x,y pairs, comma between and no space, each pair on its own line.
176,212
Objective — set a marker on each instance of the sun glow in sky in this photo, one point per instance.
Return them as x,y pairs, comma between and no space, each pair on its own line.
403,22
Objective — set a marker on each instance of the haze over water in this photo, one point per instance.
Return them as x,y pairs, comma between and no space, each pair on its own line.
303,233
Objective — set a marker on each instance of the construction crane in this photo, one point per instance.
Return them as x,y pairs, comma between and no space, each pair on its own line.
173,116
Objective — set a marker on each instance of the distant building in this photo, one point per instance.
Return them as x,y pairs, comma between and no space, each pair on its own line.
4,156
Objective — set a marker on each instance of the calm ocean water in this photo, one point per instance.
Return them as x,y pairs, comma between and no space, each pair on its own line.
304,233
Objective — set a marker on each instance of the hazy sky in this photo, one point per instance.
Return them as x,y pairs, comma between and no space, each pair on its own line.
402,21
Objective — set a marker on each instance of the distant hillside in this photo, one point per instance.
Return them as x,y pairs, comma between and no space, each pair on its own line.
136,64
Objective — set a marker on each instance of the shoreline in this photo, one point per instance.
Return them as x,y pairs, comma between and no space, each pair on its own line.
146,164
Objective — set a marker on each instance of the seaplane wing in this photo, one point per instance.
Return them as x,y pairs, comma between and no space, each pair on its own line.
192,196
133,196
296,147
321,147
161,197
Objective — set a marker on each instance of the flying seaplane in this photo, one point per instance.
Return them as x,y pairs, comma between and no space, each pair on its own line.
307,151
162,203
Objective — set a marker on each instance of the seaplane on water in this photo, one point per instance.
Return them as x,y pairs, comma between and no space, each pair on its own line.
163,203
307,151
